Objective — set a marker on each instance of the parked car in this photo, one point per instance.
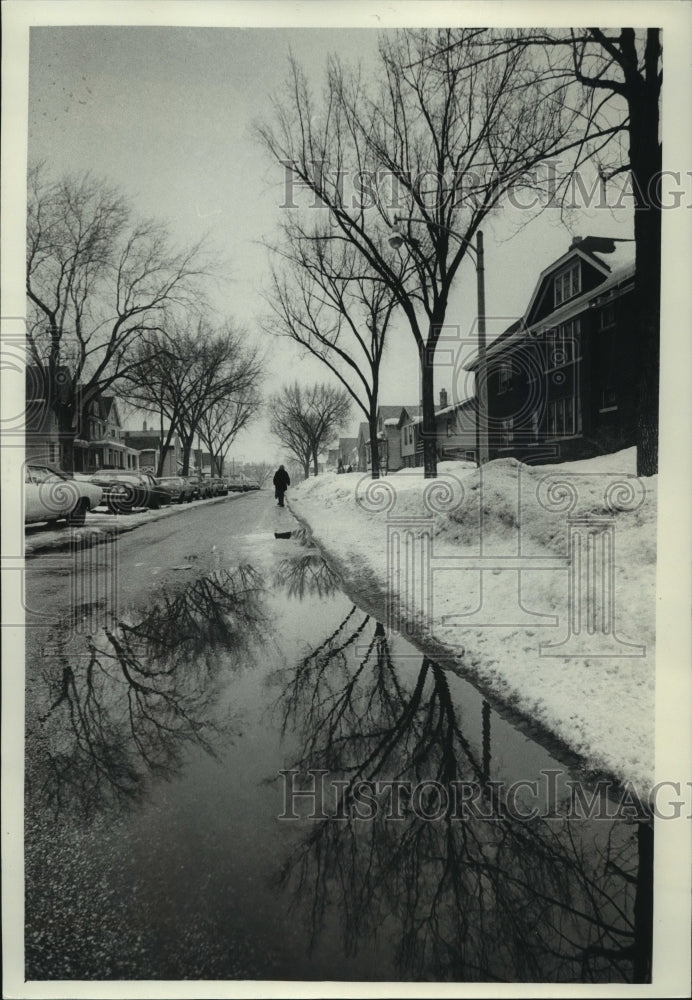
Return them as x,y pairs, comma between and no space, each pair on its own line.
236,483
127,490
251,484
175,487
194,490
206,488
219,486
51,494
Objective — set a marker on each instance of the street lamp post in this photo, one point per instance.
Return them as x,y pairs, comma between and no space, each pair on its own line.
396,240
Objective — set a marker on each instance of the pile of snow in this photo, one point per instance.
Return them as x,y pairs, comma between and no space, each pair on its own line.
530,525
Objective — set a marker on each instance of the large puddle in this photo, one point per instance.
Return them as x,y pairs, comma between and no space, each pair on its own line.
248,778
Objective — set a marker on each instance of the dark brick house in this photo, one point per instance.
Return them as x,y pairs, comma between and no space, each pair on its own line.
560,382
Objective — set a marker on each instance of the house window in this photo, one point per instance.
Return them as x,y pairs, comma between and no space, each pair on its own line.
504,376
507,431
562,345
606,317
567,284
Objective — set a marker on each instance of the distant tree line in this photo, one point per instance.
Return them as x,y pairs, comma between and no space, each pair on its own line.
114,303
305,417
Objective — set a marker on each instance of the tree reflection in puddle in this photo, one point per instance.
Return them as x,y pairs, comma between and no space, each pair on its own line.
111,714
306,576
461,898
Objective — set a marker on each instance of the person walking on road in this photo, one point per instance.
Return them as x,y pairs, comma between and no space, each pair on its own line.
281,483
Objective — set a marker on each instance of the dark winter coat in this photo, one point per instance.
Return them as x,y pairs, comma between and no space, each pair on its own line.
281,480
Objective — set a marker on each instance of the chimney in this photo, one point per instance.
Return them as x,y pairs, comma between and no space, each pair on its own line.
575,241
443,398
144,426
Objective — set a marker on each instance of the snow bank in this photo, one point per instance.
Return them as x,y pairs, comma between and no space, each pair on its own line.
524,566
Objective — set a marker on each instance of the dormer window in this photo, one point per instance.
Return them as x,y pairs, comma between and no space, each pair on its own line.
567,284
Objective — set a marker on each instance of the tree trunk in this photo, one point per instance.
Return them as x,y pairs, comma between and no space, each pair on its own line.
165,445
374,444
187,448
647,302
644,903
428,424
314,462
66,436
66,458
306,467
645,163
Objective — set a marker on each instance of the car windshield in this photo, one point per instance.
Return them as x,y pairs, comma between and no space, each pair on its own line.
42,474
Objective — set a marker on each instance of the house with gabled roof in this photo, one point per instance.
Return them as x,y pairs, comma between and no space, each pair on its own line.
455,432
347,453
41,428
101,445
455,429
560,380
149,444
362,442
390,420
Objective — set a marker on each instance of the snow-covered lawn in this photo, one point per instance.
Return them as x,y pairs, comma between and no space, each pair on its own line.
519,572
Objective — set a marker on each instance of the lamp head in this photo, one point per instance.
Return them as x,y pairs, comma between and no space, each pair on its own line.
396,238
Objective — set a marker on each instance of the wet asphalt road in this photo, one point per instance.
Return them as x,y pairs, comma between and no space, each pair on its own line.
144,557
174,676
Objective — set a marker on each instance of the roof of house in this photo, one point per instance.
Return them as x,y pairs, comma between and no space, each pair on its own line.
470,400
145,439
107,404
442,411
388,411
347,443
619,275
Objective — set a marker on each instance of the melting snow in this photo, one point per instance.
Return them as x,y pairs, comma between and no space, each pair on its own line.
529,525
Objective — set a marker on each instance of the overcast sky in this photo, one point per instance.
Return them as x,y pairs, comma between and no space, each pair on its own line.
167,114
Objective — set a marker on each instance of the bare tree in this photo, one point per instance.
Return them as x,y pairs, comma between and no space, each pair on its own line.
221,365
199,374
441,139
98,280
330,302
615,77
220,423
260,471
623,68
153,384
303,418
